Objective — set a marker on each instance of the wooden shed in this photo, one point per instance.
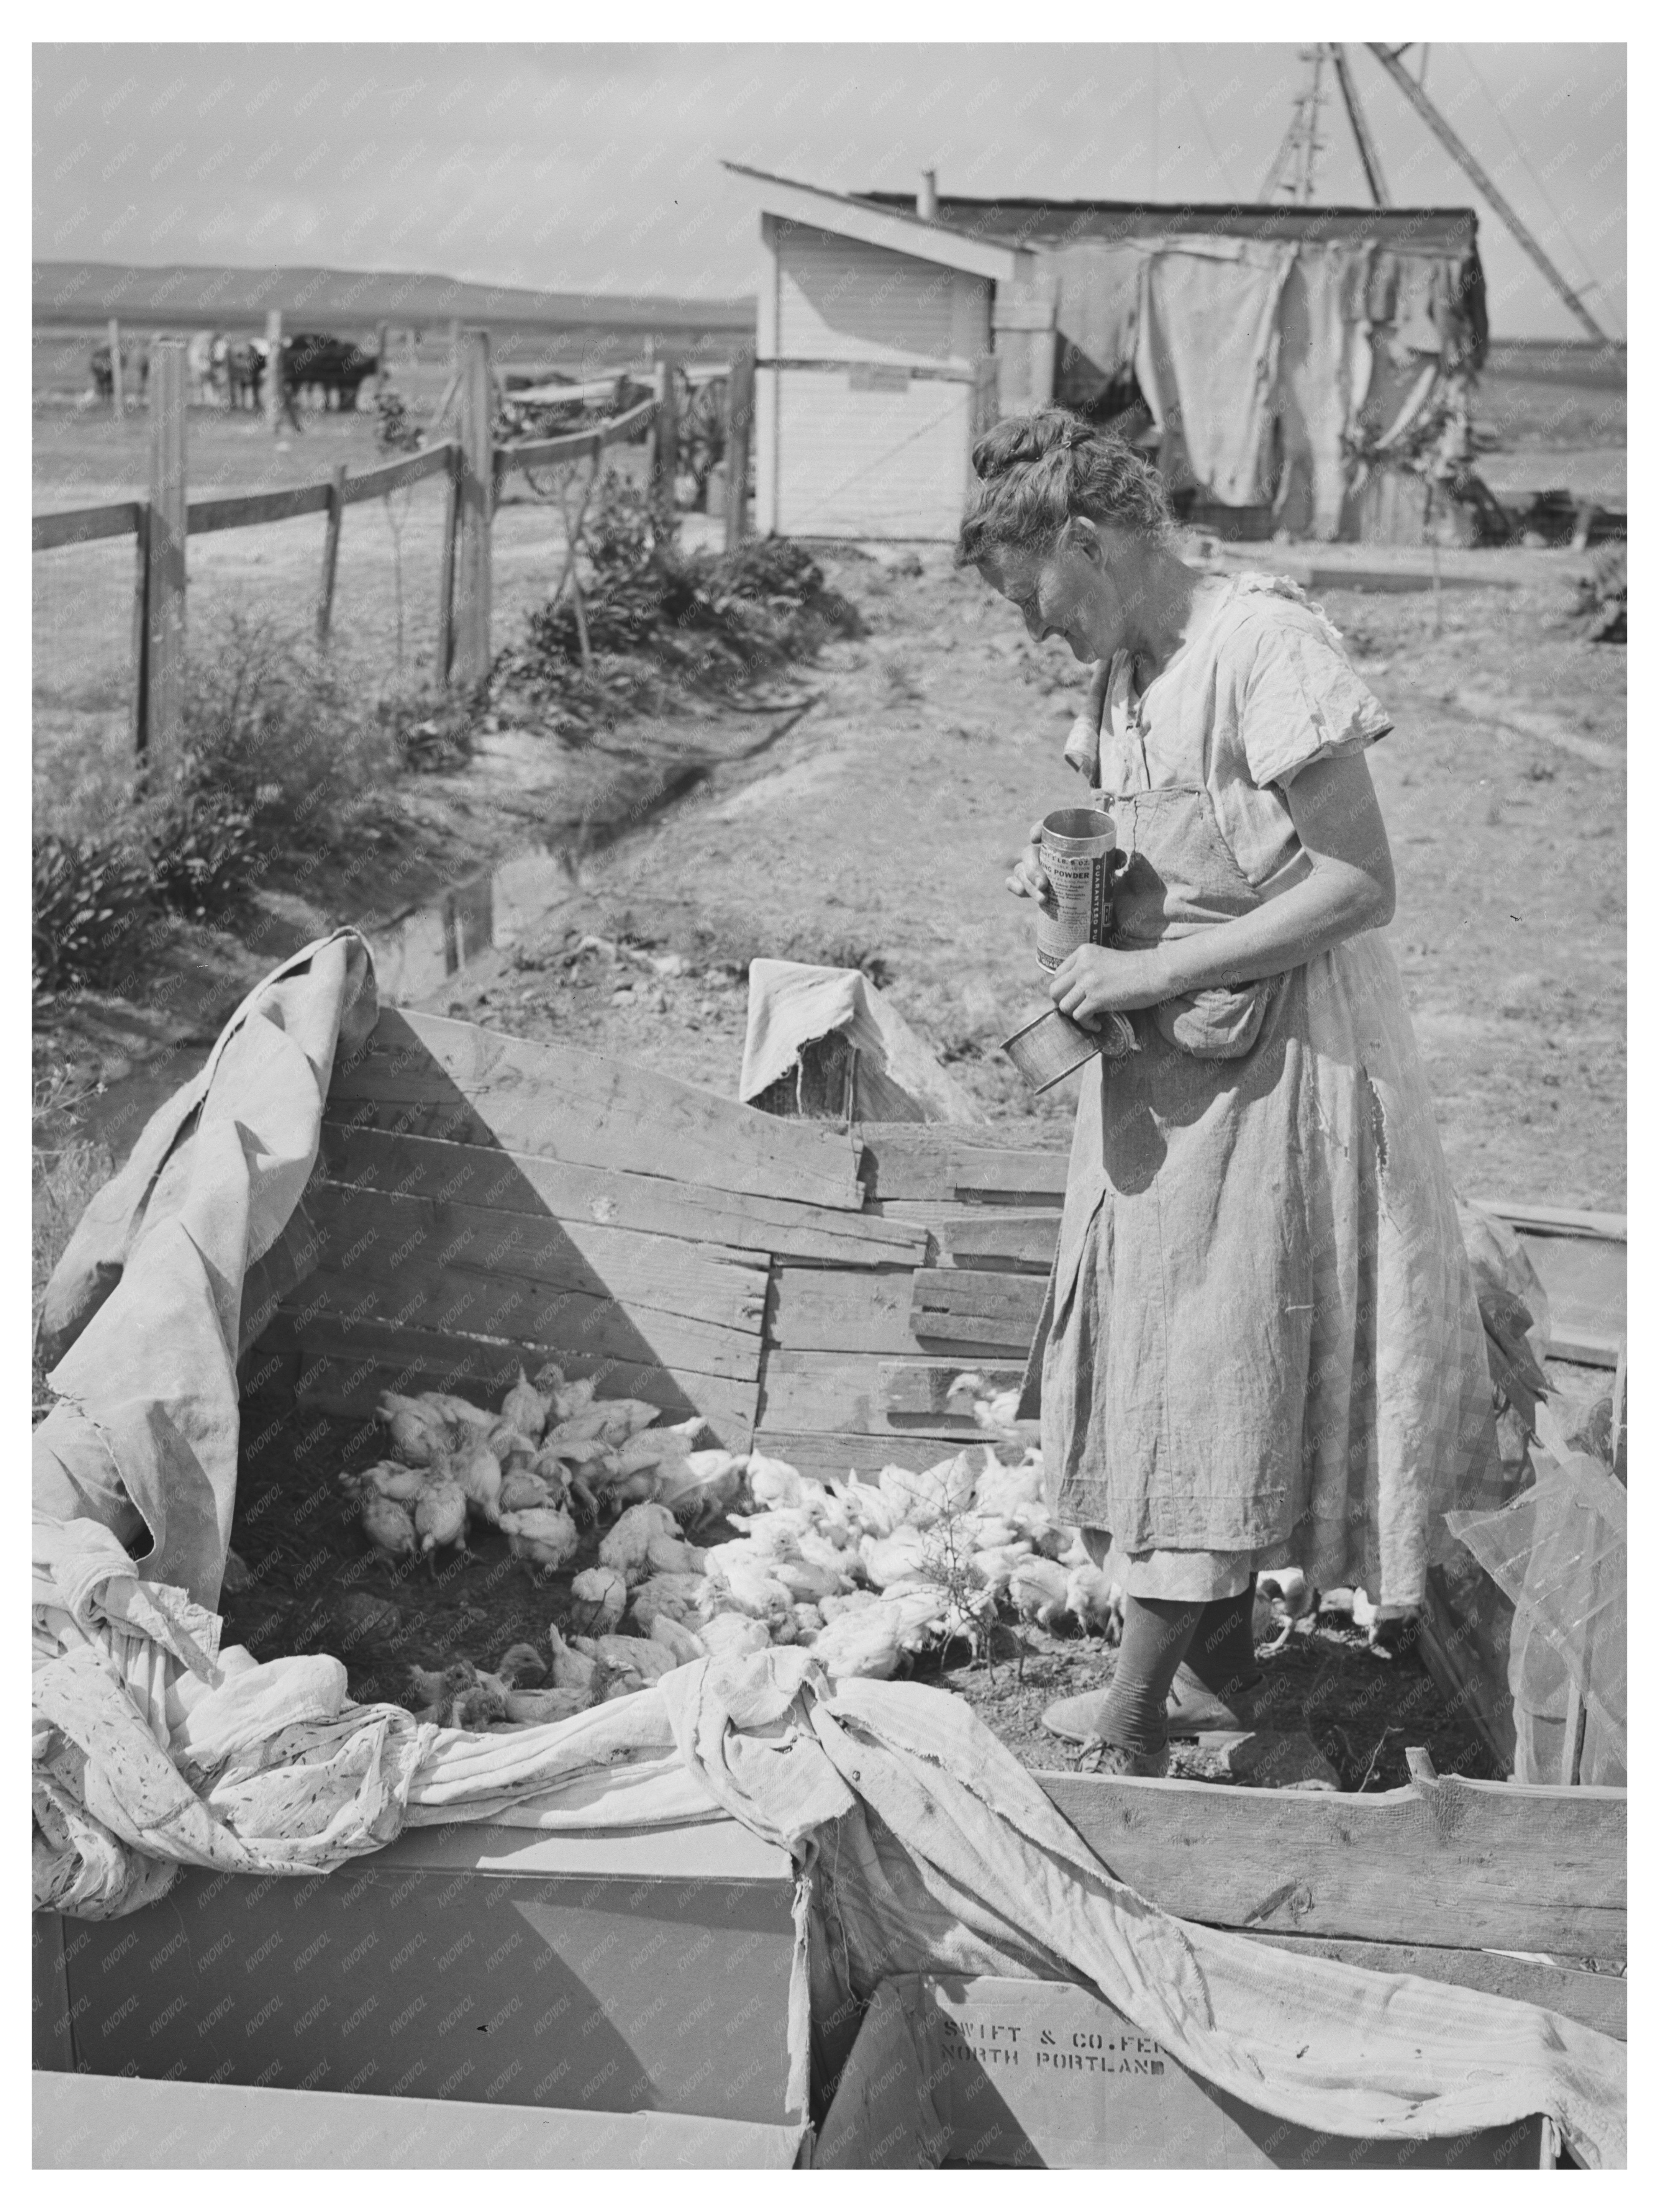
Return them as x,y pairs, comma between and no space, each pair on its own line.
878,361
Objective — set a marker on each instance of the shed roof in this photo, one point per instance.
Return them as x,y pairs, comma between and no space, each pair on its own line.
896,226
1039,222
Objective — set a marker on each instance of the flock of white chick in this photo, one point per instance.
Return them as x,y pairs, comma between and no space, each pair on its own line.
860,1571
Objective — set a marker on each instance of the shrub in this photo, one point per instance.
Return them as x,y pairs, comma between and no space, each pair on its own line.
91,898
289,735
203,850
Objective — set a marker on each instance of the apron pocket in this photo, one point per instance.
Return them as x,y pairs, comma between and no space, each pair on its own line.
1219,1024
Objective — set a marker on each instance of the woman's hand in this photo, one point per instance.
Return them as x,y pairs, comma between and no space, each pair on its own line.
1030,878
1095,980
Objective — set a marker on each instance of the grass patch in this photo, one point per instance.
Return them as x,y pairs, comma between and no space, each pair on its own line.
67,1169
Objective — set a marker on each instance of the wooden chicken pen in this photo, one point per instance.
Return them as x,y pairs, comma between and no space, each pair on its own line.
813,1291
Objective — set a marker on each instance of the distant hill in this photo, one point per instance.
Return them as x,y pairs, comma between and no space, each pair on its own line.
180,296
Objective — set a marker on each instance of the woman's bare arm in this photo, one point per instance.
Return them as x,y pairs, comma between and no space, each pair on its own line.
1334,809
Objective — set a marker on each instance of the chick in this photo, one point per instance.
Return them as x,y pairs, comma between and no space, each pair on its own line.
1039,1590
419,1433
572,1671
1284,1597
701,1486
544,1537
389,1477
1096,1602
526,1409
628,1546
389,1527
625,1655
521,1489
679,1641
521,1666
996,1412
598,1601
440,1518
461,1697
479,1472
733,1635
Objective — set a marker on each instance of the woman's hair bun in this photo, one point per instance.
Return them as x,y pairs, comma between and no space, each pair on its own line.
1038,470
1023,439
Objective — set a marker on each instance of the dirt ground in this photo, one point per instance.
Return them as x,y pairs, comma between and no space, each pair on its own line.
878,833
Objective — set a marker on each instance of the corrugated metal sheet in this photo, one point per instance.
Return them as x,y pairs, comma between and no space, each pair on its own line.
871,463
839,300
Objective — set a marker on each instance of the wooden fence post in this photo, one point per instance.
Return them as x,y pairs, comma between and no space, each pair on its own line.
330,550
117,392
164,653
665,439
446,648
273,369
477,492
382,355
140,731
739,420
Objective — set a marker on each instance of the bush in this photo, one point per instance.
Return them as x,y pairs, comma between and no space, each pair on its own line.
203,850
288,734
91,899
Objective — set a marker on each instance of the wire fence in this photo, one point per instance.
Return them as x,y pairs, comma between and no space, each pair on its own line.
400,569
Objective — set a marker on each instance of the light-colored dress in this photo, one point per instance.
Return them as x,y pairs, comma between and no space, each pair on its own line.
1265,1346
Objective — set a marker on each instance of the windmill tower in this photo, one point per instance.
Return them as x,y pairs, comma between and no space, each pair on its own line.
1295,169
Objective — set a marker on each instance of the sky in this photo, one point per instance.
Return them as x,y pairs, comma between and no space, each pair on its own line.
597,167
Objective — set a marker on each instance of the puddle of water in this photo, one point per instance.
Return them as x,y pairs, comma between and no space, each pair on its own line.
490,911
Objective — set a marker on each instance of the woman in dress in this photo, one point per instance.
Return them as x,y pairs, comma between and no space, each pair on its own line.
1265,1348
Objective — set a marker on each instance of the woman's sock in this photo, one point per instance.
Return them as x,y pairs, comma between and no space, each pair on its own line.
1156,1634
1222,1651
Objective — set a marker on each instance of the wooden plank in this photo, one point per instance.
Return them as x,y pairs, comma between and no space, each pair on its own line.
244,510
164,599
841,1309
273,381
444,1079
1599,2001
138,726
477,494
575,445
1562,1221
926,1391
398,475
977,1305
427,1167
740,427
447,1302
331,552
904,1160
81,525
846,1393
445,649
710,1282
117,392
1466,1865
342,1368
1017,1240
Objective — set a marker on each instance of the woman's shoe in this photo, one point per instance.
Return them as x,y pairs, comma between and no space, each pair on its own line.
1101,1758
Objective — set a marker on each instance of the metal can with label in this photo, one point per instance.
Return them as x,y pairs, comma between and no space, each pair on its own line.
1076,850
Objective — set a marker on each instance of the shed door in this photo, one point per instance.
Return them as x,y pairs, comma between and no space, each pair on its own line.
870,451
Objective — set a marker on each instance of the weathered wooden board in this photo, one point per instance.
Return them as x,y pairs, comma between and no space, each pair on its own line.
847,1393
1586,1279
832,1458
444,1079
342,1366
373,1237
510,1307
426,1167
998,1309
996,1235
854,1309
1599,2001
902,1160
1466,1865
